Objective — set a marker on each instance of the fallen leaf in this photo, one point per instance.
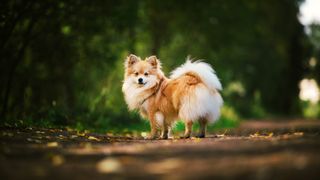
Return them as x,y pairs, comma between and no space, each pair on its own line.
52,144
298,133
81,134
93,138
257,135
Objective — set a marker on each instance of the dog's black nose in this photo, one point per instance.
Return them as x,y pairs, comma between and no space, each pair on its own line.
140,80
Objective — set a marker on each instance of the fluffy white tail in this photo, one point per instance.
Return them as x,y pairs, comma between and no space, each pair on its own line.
202,69
200,103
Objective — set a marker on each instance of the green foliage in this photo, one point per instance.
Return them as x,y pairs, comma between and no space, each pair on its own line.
310,110
314,67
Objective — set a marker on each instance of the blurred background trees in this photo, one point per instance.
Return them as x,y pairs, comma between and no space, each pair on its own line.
61,62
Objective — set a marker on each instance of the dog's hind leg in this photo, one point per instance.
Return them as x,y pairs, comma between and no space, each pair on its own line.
203,127
170,134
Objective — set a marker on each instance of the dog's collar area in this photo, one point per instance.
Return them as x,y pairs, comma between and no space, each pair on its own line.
158,87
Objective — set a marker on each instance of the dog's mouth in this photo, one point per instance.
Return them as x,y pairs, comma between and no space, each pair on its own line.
142,83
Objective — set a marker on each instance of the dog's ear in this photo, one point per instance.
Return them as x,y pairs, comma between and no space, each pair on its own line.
131,60
153,60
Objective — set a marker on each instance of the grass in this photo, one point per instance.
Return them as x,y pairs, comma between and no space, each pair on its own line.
130,129
108,125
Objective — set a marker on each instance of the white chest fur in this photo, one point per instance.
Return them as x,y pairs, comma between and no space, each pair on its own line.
135,96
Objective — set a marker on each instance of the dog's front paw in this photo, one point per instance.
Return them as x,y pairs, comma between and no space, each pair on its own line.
151,137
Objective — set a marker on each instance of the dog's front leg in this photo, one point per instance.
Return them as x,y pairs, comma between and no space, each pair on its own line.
153,126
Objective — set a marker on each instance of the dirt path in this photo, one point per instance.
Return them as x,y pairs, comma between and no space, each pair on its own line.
256,150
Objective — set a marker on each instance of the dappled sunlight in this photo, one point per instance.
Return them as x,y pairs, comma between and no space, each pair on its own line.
309,12
109,165
309,90
166,165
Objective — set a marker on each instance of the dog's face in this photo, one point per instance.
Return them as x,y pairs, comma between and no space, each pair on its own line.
142,73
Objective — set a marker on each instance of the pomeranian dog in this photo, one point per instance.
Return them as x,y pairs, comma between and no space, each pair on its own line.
190,94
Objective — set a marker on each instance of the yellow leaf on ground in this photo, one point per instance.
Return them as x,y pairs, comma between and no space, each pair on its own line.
81,134
298,133
52,144
93,138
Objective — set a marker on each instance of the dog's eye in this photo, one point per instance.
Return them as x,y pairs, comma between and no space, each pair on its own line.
146,74
136,73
